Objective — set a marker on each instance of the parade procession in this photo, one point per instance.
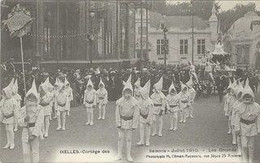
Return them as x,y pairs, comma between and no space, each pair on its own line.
106,81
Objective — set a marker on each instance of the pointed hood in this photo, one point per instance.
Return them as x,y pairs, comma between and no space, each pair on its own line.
66,82
57,82
145,90
101,83
190,82
50,86
183,86
15,86
230,84
33,90
159,85
172,87
9,89
239,89
138,83
90,83
44,86
248,90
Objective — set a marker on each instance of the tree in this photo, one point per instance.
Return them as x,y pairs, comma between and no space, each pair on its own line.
227,18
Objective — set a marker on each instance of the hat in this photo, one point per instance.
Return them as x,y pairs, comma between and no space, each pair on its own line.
50,86
145,90
15,87
159,85
33,90
45,85
9,89
138,83
90,83
172,87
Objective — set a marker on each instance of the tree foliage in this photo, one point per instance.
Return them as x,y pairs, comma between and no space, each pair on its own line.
227,18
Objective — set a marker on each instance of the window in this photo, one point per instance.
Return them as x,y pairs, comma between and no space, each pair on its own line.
183,46
201,46
160,47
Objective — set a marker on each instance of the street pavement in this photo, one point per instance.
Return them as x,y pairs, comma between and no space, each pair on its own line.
208,129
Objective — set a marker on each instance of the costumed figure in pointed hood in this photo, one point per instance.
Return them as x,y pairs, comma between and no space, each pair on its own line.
192,94
159,101
69,91
60,104
56,89
228,109
247,123
18,99
235,110
184,102
46,101
127,119
8,113
102,100
193,71
31,119
146,114
172,104
90,102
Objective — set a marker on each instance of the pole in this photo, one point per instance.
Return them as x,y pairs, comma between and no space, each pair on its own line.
117,29
146,50
141,39
192,33
165,45
21,44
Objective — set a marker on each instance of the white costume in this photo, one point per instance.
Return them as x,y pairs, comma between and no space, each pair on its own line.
46,101
18,99
172,104
90,102
146,114
102,100
184,102
31,118
193,71
69,91
8,113
192,94
159,101
137,88
247,122
127,118
61,102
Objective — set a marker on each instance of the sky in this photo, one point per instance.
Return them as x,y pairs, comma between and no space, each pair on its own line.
226,4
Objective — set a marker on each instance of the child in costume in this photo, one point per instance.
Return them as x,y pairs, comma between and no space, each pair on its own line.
18,99
61,101
127,119
247,123
232,99
69,91
192,94
8,114
90,101
31,118
102,99
46,98
235,108
172,105
159,100
146,114
184,102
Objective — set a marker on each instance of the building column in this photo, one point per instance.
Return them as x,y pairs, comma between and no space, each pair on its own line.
39,32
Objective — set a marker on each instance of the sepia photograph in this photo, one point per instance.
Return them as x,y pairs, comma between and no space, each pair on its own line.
130,81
